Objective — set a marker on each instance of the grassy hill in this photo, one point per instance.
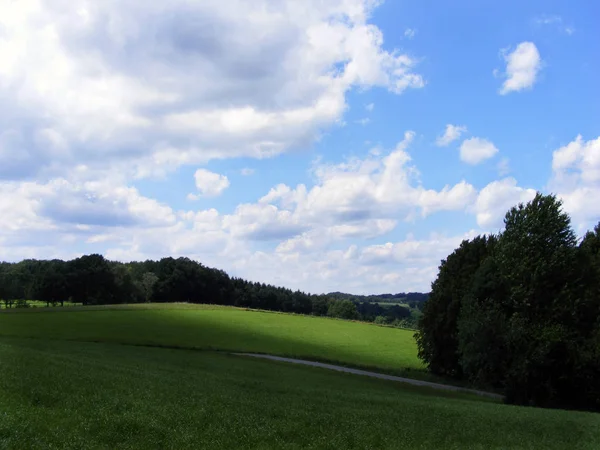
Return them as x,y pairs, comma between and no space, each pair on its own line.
223,328
56,393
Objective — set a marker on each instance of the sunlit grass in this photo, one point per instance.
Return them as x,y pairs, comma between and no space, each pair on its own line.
224,328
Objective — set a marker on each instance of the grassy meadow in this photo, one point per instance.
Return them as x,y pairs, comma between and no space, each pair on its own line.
80,395
69,380
225,328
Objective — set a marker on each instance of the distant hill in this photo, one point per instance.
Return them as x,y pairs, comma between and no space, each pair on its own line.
413,299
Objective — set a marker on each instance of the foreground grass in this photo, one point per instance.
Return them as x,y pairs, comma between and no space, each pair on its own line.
76,395
225,328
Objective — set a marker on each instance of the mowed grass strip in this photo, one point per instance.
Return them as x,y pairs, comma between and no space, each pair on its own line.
76,395
226,328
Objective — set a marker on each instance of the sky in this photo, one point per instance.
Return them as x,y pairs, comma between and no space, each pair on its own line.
340,145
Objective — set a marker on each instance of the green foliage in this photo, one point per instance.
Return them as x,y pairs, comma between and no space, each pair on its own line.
413,299
437,338
74,395
92,280
343,309
149,279
381,320
524,314
320,305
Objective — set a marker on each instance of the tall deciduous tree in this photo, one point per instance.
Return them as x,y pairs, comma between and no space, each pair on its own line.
437,338
527,317
149,279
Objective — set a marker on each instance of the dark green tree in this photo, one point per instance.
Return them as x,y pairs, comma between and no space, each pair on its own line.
529,322
149,279
320,305
437,335
343,309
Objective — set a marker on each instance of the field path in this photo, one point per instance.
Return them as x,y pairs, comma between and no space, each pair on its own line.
373,374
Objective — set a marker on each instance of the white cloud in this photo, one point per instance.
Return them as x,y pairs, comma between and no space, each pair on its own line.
576,179
414,251
454,198
452,133
522,67
209,184
123,86
496,199
361,198
556,21
262,221
503,167
246,171
364,121
123,90
581,157
381,186
476,150
68,203
545,19
408,265
410,33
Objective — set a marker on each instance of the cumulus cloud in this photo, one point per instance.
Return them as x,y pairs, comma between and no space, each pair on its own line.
359,198
410,263
118,91
432,250
576,179
61,202
377,187
144,88
66,218
476,150
209,184
304,262
262,222
522,67
496,199
452,133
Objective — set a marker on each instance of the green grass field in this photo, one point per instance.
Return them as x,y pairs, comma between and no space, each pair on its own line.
225,328
77,395
389,304
57,391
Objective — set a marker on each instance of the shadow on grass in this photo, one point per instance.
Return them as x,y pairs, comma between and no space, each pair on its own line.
219,328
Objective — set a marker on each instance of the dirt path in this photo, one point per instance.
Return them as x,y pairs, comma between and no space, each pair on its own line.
373,374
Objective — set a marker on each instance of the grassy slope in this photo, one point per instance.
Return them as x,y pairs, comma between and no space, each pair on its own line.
225,328
58,394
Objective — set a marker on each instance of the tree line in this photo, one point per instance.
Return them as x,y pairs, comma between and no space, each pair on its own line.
94,280
413,299
520,311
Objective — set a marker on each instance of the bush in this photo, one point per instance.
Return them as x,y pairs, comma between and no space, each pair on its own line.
343,309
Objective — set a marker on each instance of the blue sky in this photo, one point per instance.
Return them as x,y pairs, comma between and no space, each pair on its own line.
345,145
